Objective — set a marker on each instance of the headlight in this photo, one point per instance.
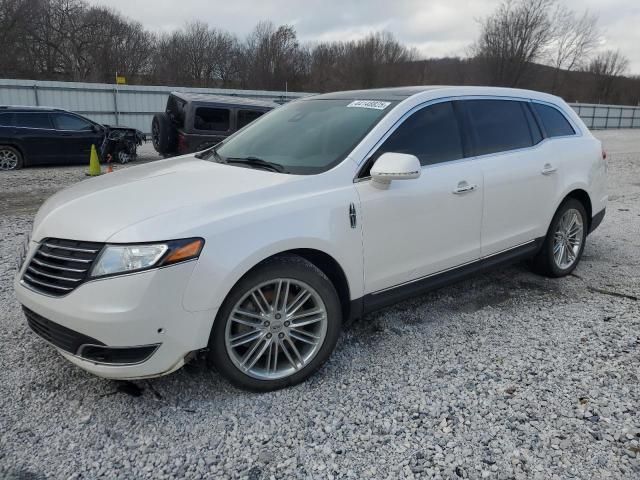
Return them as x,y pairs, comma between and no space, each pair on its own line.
116,259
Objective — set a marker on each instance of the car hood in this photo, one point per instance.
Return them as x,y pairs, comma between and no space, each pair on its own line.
98,208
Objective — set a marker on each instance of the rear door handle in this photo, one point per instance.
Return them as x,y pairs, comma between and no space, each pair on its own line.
548,169
464,187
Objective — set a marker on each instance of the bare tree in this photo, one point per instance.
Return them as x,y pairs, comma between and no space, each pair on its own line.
575,37
606,68
513,37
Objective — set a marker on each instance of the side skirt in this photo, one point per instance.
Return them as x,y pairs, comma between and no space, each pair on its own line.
389,296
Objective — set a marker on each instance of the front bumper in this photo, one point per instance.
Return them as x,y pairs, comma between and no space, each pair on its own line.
130,311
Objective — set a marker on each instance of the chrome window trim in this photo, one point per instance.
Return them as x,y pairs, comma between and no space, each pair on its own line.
396,125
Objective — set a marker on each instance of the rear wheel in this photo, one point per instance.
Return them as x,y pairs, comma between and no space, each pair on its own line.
564,243
278,325
10,158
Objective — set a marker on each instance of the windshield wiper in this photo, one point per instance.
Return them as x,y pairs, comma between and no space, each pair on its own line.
258,162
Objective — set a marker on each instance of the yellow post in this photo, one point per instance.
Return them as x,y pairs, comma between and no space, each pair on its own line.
94,163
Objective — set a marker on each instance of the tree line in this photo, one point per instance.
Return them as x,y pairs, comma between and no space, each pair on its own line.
535,44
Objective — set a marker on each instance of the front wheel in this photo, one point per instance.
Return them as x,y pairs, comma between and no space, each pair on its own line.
278,325
564,243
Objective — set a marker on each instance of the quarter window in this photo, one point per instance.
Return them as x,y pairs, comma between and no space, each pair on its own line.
431,134
498,125
70,122
32,120
555,124
216,119
245,117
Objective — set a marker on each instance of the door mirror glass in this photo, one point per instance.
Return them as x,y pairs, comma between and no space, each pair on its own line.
394,166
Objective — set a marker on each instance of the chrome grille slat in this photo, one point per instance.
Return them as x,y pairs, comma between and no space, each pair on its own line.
59,266
56,277
71,249
66,259
45,284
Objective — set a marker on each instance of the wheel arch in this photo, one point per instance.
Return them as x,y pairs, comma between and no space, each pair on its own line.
583,197
324,262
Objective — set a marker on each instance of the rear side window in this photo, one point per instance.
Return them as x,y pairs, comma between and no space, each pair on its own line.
245,117
65,121
32,120
431,134
554,123
215,119
498,125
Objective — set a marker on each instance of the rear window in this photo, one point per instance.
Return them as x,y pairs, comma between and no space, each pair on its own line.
245,117
32,120
175,110
215,119
498,125
555,124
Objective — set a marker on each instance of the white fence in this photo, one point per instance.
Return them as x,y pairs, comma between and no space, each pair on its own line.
131,106
134,106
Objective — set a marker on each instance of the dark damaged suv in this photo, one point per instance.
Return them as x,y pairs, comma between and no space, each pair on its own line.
193,122
45,136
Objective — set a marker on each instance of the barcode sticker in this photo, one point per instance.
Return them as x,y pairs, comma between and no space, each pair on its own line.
375,104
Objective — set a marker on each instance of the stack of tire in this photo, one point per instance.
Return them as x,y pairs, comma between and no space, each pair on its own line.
164,134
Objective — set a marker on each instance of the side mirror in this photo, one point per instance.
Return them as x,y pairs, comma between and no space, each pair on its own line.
394,166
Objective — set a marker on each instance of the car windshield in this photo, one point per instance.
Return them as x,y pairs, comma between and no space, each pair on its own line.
304,137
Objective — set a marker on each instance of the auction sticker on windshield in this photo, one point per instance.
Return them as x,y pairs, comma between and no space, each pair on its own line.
376,105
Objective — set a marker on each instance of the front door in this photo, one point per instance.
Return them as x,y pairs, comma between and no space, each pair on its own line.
75,135
423,226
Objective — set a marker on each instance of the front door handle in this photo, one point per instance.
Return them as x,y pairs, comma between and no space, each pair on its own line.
464,187
548,169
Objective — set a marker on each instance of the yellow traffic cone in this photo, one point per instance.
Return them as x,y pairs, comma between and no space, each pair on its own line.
94,163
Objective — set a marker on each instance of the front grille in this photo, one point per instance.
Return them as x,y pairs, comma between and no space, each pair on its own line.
62,337
60,266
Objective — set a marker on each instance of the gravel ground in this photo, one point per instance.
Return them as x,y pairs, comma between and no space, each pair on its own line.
506,375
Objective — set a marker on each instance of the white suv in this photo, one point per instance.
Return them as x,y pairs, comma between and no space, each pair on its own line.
327,208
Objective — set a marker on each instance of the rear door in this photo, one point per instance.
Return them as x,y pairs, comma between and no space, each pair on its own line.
35,134
75,135
520,187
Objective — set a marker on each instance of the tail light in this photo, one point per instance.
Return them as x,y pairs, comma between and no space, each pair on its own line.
182,143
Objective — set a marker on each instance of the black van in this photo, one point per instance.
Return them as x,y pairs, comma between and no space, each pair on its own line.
193,122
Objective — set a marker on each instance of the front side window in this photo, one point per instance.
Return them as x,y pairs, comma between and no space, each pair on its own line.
245,117
498,125
32,120
214,119
307,136
65,121
431,134
554,122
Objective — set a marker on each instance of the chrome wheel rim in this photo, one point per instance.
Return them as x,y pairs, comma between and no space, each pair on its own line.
276,329
8,159
567,239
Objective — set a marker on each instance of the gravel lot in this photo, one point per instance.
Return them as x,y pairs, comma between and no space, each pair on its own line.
506,375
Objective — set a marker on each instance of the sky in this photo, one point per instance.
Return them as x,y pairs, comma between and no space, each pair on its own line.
435,27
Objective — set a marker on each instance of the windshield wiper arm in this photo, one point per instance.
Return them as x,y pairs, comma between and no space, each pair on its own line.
258,162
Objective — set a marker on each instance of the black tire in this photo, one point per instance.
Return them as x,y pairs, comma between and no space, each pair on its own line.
163,134
10,158
287,267
544,262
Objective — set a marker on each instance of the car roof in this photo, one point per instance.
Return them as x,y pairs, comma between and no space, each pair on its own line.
27,108
402,93
224,99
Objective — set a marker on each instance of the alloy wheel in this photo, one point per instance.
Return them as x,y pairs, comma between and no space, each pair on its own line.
567,239
8,159
276,329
